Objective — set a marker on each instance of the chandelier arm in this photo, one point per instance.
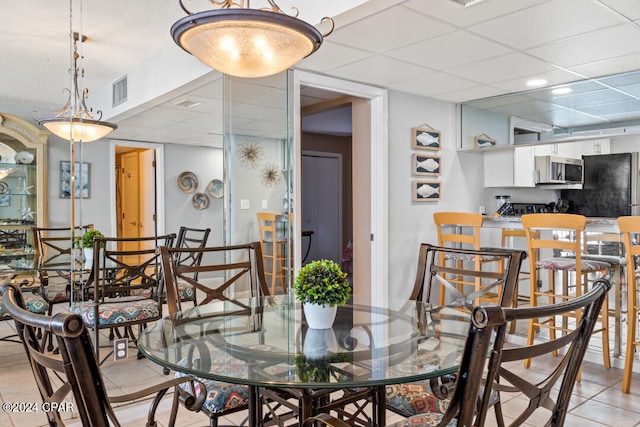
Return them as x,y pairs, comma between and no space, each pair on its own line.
333,25
182,6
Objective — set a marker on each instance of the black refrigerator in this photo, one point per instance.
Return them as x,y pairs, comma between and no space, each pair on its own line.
610,187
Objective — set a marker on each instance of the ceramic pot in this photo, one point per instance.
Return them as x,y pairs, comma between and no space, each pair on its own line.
88,257
319,342
318,316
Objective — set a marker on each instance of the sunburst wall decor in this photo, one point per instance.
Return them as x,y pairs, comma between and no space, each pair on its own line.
250,154
271,175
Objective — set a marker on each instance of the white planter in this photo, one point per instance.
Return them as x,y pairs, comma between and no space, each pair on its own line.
319,317
319,342
88,257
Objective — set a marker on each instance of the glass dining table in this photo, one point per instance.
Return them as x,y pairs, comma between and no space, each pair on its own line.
264,343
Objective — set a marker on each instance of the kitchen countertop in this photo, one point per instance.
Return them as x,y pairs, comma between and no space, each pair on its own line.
606,224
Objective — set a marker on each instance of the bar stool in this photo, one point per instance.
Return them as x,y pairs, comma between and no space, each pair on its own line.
462,230
274,249
630,229
562,234
600,240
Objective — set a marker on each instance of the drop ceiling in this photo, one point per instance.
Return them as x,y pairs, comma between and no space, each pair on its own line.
432,48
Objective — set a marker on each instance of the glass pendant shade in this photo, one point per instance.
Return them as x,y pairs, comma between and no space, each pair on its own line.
84,130
246,42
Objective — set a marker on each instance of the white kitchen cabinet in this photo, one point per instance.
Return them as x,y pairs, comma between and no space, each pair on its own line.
509,168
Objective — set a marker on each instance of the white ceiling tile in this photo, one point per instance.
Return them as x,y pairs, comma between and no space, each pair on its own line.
554,77
433,84
436,52
501,68
527,109
396,27
470,94
602,44
566,118
332,55
610,66
628,8
380,70
547,22
464,16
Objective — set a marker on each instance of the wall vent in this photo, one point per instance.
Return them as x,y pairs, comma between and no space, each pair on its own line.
466,3
119,91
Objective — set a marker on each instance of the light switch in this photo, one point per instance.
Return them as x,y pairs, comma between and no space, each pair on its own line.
265,204
245,204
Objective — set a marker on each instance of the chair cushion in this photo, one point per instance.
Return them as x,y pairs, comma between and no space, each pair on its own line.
569,264
33,302
427,419
471,257
414,398
186,291
56,292
220,396
115,311
611,259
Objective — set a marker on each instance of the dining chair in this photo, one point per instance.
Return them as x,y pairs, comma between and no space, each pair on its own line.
224,271
487,367
125,288
630,230
462,230
73,376
33,302
558,249
191,238
274,249
430,283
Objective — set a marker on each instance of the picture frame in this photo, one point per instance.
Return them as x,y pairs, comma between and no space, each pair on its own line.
483,141
82,180
425,164
426,138
5,200
426,191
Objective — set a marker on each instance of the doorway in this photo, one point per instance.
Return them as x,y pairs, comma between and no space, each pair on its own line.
137,192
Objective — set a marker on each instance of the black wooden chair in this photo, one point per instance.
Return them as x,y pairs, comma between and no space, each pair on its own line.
486,367
220,269
74,372
438,280
125,288
190,238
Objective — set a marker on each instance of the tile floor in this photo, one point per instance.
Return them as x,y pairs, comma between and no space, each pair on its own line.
597,399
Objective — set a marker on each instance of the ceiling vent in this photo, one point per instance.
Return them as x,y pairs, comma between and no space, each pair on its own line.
186,104
119,92
467,3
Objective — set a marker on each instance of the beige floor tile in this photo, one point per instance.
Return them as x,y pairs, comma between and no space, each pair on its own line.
606,414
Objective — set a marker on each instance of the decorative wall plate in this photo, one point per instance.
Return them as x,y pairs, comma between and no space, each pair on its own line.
215,188
200,201
188,182
4,188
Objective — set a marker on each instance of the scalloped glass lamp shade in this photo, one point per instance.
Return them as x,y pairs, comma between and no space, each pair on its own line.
84,130
246,42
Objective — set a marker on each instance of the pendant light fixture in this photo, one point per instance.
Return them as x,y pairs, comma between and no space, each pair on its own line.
243,42
75,121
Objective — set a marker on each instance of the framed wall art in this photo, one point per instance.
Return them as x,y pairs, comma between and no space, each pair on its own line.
426,138
82,177
483,141
425,164
426,191
5,200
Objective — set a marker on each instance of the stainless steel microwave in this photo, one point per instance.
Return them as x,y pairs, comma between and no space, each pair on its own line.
558,170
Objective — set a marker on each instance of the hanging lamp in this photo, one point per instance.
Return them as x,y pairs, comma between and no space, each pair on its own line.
75,121
244,42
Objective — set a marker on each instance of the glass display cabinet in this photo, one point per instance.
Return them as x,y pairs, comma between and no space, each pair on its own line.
22,185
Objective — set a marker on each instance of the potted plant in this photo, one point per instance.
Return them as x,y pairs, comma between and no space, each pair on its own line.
320,286
87,245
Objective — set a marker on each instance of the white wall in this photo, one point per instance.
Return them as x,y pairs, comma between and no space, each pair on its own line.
205,162
411,223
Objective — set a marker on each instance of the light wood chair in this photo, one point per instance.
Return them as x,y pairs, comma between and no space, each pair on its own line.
274,250
560,236
462,230
630,229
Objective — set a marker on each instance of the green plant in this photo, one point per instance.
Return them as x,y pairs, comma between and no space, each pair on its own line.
88,238
322,282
